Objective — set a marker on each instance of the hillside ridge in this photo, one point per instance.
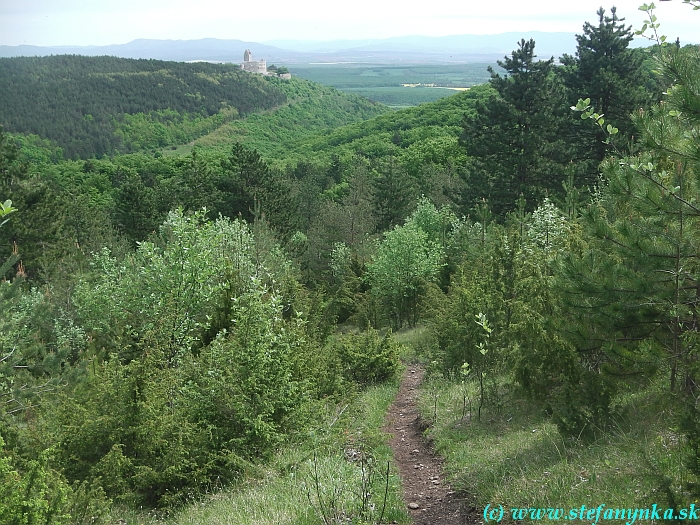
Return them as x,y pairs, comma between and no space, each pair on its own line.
94,106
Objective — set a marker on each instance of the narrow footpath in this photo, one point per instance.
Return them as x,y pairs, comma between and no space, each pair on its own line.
429,498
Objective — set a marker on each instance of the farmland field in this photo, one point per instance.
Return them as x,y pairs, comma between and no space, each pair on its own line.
389,83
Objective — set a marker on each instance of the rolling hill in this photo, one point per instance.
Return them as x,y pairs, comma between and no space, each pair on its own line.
94,106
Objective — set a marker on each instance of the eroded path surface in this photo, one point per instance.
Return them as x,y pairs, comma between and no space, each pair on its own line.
429,498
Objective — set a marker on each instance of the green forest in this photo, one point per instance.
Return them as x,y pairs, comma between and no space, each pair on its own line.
212,281
97,106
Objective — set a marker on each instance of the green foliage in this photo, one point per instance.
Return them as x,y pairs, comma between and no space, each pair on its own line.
611,75
136,192
366,358
92,106
516,136
394,194
150,430
33,149
327,460
130,433
378,136
35,497
166,127
250,188
645,217
156,430
40,494
405,261
163,350
208,366
5,209
436,223
248,374
23,360
457,335
504,280
135,213
637,311
311,110
12,169
40,235
547,229
581,405
171,289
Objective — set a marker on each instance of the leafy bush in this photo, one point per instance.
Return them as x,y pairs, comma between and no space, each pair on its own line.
405,261
151,431
40,494
581,405
366,358
202,363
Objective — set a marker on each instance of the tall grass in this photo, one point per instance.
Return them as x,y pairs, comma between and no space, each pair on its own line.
319,476
515,456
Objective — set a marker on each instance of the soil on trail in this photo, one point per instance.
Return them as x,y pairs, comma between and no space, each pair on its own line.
429,498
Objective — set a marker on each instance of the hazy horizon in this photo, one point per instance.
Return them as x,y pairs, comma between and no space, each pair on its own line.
114,22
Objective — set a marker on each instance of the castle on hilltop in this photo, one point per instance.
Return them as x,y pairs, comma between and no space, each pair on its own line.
253,66
259,66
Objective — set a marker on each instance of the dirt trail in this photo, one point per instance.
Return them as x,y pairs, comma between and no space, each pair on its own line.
430,500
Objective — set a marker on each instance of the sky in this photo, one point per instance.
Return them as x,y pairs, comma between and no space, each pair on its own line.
103,22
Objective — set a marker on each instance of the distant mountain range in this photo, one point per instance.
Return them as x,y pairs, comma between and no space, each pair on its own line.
412,49
455,48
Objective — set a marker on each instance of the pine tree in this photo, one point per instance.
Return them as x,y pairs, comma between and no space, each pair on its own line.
611,74
514,138
395,193
640,278
40,234
248,184
135,214
638,291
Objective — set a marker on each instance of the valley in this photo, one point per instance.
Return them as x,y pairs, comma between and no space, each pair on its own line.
369,293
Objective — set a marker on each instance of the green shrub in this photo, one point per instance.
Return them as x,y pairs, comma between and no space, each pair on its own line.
366,358
581,405
152,431
36,493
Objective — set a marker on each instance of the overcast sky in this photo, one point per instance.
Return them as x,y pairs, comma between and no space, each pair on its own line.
102,22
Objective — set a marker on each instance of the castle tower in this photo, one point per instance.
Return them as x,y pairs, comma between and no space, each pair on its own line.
253,66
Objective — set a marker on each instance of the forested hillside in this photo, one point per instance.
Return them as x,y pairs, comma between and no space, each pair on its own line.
395,131
312,109
92,106
173,325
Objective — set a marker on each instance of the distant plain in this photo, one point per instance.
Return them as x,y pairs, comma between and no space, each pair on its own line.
396,85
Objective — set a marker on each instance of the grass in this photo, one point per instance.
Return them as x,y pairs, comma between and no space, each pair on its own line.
322,473
415,342
184,149
515,456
